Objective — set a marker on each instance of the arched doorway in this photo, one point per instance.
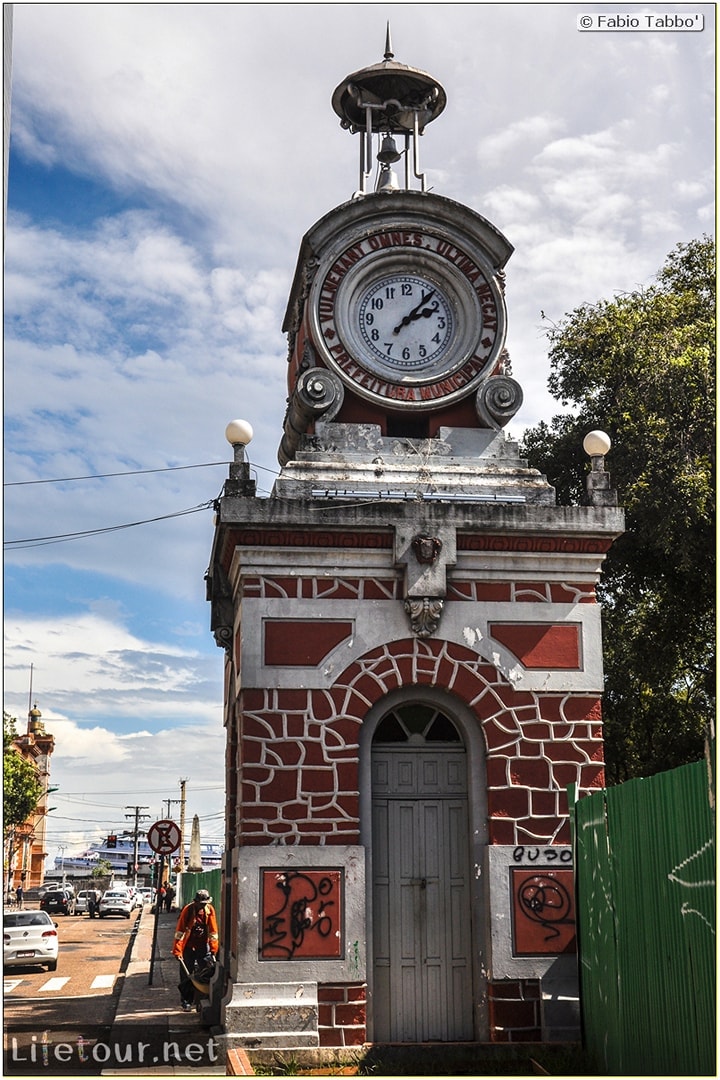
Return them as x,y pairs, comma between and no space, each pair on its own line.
421,895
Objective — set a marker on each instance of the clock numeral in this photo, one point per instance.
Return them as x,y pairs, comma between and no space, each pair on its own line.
406,353
375,335
390,292
436,338
388,345
406,289
441,321
377,303
369,318
422,351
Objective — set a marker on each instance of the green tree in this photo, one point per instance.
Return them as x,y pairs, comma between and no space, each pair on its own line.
22,789
102,868
642,368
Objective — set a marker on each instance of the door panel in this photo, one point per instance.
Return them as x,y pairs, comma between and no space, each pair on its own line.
421,907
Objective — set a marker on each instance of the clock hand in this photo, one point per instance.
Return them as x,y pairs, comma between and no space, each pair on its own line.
426,312
411,316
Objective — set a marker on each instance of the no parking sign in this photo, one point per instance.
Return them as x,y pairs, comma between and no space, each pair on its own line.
164,837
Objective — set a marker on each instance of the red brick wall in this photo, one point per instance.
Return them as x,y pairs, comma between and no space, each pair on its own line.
299,748
515,1011
342,1014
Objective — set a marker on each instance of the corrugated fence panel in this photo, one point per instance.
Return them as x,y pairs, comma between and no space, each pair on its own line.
208,879
597,949
645,862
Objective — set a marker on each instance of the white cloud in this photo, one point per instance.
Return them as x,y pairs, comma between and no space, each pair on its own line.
101,670
521,137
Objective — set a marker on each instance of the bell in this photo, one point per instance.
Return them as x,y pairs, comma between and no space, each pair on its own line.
388,151
387,181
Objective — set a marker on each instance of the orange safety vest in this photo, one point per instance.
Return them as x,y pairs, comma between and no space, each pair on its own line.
192,922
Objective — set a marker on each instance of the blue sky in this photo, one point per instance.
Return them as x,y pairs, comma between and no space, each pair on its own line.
166,161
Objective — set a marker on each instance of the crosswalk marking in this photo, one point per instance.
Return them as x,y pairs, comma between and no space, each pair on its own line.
99,982
102,982
55,984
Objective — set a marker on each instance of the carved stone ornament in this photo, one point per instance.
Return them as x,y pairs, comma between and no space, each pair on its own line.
497,401
318,393
424,615
219,593
223,637
426,548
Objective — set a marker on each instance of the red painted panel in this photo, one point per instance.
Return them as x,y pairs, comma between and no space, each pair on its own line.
541,645
543,912
303,914
299,643
498,591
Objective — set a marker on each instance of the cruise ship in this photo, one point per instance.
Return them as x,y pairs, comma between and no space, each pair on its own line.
81,863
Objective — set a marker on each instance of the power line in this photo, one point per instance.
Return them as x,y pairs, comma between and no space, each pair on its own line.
130,472
61,538
105,476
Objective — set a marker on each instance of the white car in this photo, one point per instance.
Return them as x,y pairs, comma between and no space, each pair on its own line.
116,902
30,937
147,895
81,901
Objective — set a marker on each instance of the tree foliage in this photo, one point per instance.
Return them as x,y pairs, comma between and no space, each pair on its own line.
642,368
22,787
102,868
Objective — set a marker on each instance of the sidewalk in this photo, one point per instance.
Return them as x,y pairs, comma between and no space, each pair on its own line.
150,1033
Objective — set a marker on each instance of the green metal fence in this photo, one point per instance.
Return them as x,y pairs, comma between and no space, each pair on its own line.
208,879
645,880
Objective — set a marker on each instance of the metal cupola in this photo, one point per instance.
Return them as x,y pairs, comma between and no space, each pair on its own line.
382,101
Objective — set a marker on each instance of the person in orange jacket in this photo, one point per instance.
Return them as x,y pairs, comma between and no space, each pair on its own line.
196,942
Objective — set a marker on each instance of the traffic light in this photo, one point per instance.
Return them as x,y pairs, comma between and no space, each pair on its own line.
112,841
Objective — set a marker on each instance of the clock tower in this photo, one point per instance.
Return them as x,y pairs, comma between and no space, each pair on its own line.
413,669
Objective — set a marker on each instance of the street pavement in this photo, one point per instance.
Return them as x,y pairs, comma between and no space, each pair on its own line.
151,1035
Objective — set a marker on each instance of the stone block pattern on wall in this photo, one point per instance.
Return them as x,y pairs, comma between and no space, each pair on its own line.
515,1010
297,587
342,1014
298,749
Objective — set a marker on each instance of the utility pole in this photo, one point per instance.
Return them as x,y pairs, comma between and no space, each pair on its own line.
182,825
168,803
135,833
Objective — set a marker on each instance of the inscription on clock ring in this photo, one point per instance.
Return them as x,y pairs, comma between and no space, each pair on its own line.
408,317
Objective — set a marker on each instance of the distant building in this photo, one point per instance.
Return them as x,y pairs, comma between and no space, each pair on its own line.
30,848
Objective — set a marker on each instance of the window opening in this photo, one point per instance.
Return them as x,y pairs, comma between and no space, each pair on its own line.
416,724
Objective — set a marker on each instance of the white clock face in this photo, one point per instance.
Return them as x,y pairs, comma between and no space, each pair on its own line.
406,317
405,322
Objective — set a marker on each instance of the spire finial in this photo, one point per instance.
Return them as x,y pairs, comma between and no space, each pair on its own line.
388,44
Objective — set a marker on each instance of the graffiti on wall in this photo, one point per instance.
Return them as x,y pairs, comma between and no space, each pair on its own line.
302,914
543,905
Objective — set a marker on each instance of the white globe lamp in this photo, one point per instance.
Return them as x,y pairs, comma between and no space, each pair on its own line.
596,444
239,432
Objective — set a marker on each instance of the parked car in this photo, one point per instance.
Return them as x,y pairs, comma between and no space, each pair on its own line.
116,902
59,901
135,895
81,901
147,895
30,937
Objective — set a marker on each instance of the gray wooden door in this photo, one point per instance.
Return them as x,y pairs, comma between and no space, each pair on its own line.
422,972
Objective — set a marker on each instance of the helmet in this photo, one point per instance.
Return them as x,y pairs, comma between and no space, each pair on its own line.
203,897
